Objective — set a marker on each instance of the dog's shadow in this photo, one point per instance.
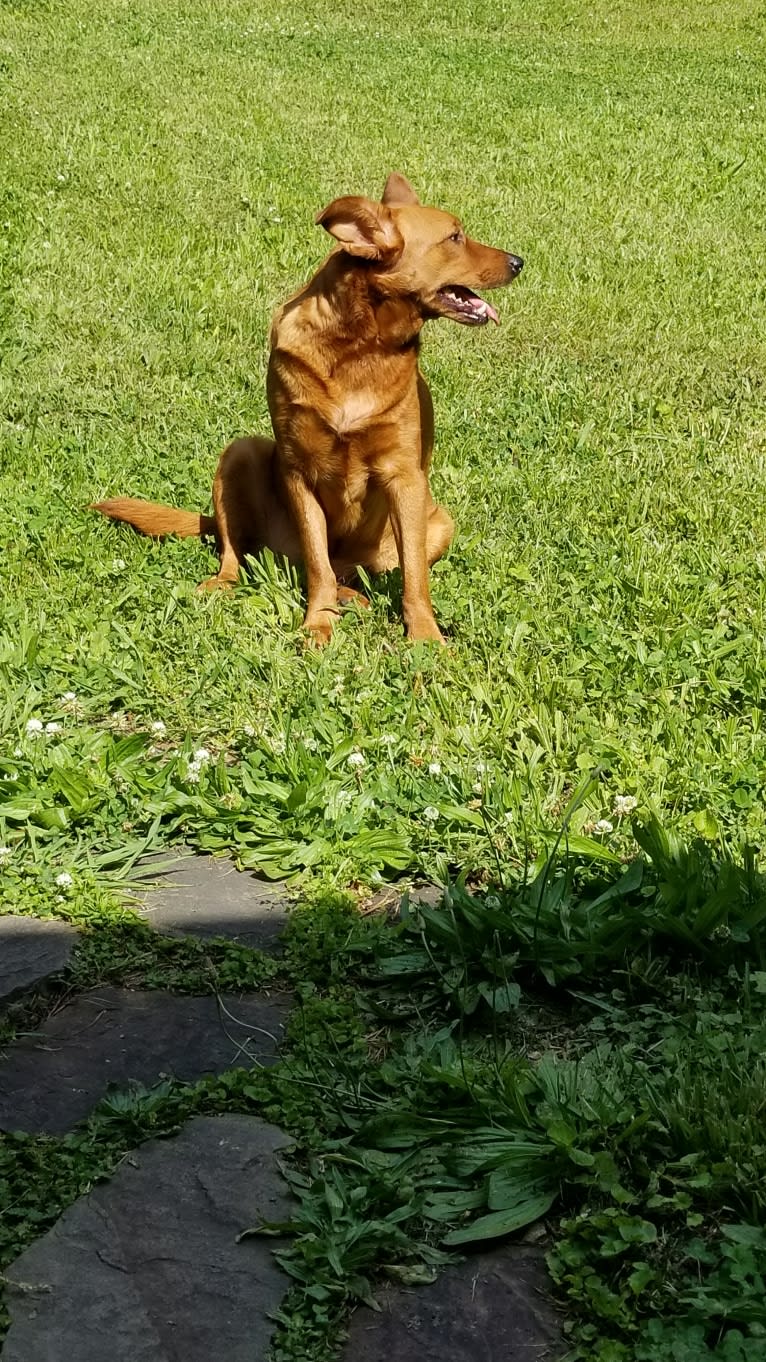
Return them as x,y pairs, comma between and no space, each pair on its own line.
384,591
282,586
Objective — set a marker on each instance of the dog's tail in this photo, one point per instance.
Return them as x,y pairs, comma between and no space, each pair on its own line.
149,518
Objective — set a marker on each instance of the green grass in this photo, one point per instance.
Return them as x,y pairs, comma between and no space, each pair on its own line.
603,453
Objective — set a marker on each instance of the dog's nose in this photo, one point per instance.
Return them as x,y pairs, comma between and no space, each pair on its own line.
516,263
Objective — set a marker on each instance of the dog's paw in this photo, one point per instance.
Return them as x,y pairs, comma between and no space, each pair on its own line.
348,596
425,631
318,626
429,638
318,635
215,584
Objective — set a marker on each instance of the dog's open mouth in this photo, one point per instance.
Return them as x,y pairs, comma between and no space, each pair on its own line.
466,306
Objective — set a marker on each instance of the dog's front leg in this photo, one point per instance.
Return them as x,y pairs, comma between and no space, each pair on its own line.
408,503
311,523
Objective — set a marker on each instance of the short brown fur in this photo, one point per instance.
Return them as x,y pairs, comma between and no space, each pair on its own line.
344,484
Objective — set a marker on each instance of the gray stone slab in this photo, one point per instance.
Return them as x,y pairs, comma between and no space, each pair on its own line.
50,1081
146,1267
204,896
493,1307
31,949
388,900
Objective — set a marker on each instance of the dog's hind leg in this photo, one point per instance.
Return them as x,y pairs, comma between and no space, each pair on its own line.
240,491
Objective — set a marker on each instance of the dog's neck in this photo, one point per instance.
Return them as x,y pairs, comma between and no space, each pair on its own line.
360,309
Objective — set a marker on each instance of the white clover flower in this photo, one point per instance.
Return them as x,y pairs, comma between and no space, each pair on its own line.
68,698
64,880
481,768
478,788
278,746
5,852
508,816
355,759
248,730
623,805
34,726
18,751
159,727
118,565
196,763
430,813
434,768
388,740
603,825
53,728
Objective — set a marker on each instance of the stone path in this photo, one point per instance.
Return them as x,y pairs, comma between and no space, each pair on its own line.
493,1307
50,1081
30,951
203,897
147,1267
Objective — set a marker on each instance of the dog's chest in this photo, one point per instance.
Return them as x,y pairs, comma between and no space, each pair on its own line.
344,488
342,415
353,411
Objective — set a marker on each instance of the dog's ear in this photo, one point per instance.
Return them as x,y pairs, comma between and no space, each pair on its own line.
363,228
399,190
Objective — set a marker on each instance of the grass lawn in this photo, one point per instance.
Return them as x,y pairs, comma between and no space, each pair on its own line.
603,453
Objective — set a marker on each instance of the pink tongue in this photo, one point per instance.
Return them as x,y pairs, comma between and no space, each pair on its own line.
491,313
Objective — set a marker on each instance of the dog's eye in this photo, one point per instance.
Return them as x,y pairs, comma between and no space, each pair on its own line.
457,237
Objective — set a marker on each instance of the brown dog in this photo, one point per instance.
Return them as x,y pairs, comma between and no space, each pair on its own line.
345,482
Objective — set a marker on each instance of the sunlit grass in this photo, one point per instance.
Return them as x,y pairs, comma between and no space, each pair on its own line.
603,452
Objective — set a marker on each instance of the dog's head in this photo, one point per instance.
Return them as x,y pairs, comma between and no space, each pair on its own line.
420,253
